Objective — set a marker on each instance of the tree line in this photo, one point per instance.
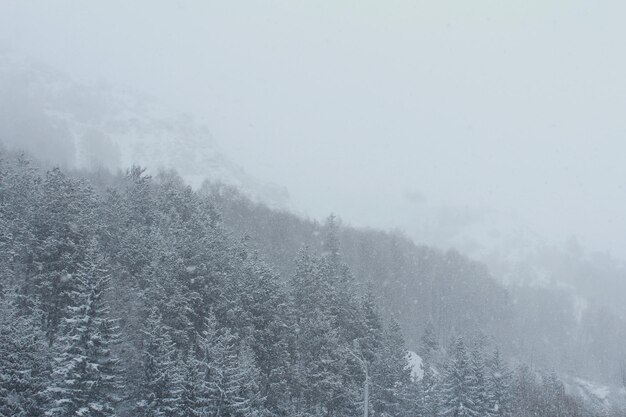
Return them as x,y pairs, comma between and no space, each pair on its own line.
126,295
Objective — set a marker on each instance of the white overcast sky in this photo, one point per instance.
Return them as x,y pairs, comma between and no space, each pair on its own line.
380,110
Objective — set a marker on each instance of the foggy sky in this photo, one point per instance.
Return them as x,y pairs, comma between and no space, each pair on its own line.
384,112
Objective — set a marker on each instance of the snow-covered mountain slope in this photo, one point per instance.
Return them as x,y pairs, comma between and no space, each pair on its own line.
76,125
519,256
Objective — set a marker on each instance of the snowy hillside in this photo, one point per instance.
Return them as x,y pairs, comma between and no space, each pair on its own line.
76,125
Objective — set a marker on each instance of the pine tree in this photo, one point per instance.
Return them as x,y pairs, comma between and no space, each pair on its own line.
431,391
304,297
64,227
305,286
429,344
85,374
525,393
325,381
231,377
193,400
20,204
23,362
415,399
159,390
200,253
391,375
264,321
456,392
330,245
166,292
241,382
130,217
428,391
478,382
553,396
499,386
339,290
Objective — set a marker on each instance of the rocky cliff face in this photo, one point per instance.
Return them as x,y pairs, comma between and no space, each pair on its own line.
80,126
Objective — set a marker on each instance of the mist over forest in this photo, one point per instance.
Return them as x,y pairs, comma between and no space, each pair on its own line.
401,210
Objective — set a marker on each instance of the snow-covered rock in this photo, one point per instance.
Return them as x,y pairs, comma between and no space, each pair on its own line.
415,364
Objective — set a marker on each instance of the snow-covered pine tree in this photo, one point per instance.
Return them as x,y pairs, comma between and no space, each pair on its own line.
298,302
339,287
456,393
340,300
20,202
197,254
265,325
324,363
415,399
429,345
391,375
64,226
499,386
478,381
431,391
305,288
231,377
324,381
85,379
525,392
165,291
330,244
159,390
242,385
553,396
130,219
193,400
23,362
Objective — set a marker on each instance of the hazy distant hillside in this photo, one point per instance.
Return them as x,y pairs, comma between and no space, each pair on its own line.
518,256
75,125
547,325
